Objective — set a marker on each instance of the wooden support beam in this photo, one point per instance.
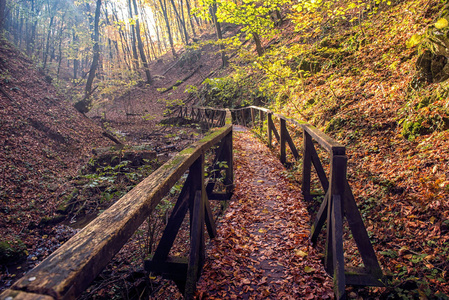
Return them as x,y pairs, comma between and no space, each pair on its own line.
174,222
320,219
319,169
209,219
360,234
261,121
272,129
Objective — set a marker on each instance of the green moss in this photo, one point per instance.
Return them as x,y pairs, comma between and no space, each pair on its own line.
334,124
51,220
65,206
12,251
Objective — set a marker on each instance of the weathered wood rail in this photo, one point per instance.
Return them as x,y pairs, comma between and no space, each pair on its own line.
67,272
208,115
338,201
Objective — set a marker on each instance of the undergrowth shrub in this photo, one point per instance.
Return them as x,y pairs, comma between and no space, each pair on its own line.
427,111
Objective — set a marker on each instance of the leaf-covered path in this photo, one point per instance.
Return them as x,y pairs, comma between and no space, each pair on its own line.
262,248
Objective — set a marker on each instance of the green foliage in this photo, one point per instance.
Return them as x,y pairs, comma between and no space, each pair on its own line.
12,250
425,112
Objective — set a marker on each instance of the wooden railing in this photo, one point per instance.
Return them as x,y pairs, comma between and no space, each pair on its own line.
338,201
67,272
208,115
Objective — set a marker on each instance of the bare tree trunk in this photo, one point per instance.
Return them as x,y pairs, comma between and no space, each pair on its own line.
61,31
140,45
259,48
83,106
217,24
47,46
190,18
133,37
181,21
2,13
167,24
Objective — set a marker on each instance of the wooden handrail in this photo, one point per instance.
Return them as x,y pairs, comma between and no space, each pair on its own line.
67,272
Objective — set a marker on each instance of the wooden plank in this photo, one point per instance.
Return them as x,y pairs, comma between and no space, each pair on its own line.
70,269
306,166
196,245
20,295
337,248
360,234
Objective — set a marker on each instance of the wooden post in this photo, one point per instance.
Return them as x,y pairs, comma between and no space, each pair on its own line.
253,117
307,166
283,141
228,155
242,113
270,122
261,121
334,262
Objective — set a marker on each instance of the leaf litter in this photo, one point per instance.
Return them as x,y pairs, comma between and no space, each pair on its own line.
263,248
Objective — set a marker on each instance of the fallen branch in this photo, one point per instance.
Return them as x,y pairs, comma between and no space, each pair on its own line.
7,95
112,137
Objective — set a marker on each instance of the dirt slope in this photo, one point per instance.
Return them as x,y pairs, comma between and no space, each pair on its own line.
44,141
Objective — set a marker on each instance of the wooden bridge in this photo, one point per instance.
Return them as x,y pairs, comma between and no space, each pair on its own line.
67,272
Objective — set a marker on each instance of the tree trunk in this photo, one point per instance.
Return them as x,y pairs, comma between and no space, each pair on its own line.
190,18
96,57
167,24
140,45
133,37
181,21
259,48
47,46
217,24
2,13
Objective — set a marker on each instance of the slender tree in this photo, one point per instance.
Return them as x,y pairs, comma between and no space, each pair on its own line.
83,106
140,45
2,13
163,4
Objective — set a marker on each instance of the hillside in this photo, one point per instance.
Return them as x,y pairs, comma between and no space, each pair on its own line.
44,142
